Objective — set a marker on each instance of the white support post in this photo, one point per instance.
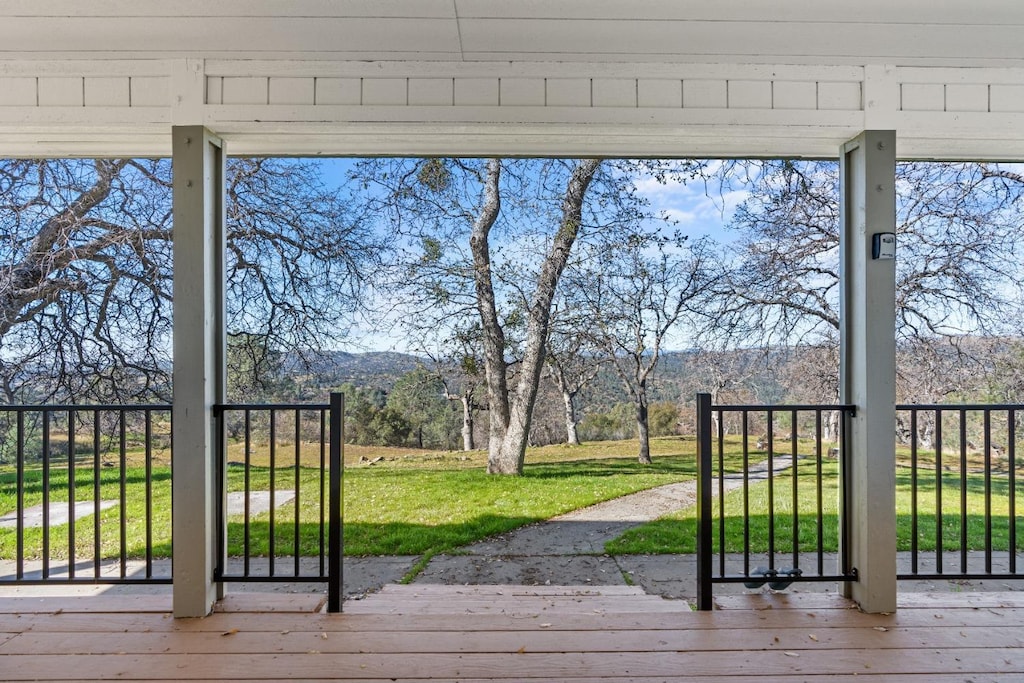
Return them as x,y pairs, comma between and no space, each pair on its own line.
199,369
868,364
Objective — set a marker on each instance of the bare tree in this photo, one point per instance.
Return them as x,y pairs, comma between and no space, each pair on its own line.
573,362
730,375
85,280
452,354
510,416
958,243
493,236
635,293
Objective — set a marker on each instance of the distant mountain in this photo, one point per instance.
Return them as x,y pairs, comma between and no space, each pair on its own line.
372,369
678,375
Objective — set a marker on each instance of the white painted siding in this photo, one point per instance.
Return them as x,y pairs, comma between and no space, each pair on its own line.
60,91
1007,98
923,97
150,91
112,91
705,94
834,96
392,92
338,91
660,93
18,92
796,95
568,92
284,90
522,92
678,77
431,92
481,92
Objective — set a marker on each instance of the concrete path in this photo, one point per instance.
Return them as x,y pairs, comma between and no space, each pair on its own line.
569,549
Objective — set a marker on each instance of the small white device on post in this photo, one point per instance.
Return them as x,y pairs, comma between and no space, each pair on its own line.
883,246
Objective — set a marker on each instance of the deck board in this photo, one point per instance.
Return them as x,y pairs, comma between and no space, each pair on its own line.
563,666
543,634
256,642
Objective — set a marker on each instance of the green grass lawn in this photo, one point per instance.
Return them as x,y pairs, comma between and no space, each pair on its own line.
677,533
132,516
414,502
410,503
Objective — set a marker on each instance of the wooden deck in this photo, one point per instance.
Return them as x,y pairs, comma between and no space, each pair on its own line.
515,633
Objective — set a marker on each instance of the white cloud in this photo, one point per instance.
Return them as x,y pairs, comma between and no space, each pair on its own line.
680,216
699,209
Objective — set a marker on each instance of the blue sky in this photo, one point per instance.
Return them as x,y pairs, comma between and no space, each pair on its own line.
699,211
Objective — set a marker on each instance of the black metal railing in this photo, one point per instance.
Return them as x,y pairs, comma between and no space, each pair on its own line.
85,494
772,491
280,473
957,491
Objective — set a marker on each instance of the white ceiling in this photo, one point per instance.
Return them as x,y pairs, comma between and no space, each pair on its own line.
903,32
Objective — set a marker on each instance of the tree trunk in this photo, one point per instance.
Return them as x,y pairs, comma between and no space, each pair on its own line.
507,450
495,367
569,400
715,415
512,453
572,436
832,426
642,430
467,422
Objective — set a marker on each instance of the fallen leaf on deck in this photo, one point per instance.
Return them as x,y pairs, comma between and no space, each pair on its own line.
230,633
880,628
812,637
791,654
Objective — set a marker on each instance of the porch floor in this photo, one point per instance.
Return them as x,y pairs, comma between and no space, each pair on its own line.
489,633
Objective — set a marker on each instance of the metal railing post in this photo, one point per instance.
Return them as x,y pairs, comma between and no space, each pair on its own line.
704,493
845,501
335,540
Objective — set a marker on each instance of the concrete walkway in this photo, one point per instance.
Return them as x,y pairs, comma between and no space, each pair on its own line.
569,549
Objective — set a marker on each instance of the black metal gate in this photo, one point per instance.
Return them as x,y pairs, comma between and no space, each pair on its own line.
772,495
280,478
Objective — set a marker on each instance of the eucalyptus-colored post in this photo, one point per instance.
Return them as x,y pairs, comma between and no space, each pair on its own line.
868,363
199,367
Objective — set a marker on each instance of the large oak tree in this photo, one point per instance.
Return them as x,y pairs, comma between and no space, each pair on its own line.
487,240
86,272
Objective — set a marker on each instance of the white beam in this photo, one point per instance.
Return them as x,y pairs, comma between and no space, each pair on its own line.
199,368
868,365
